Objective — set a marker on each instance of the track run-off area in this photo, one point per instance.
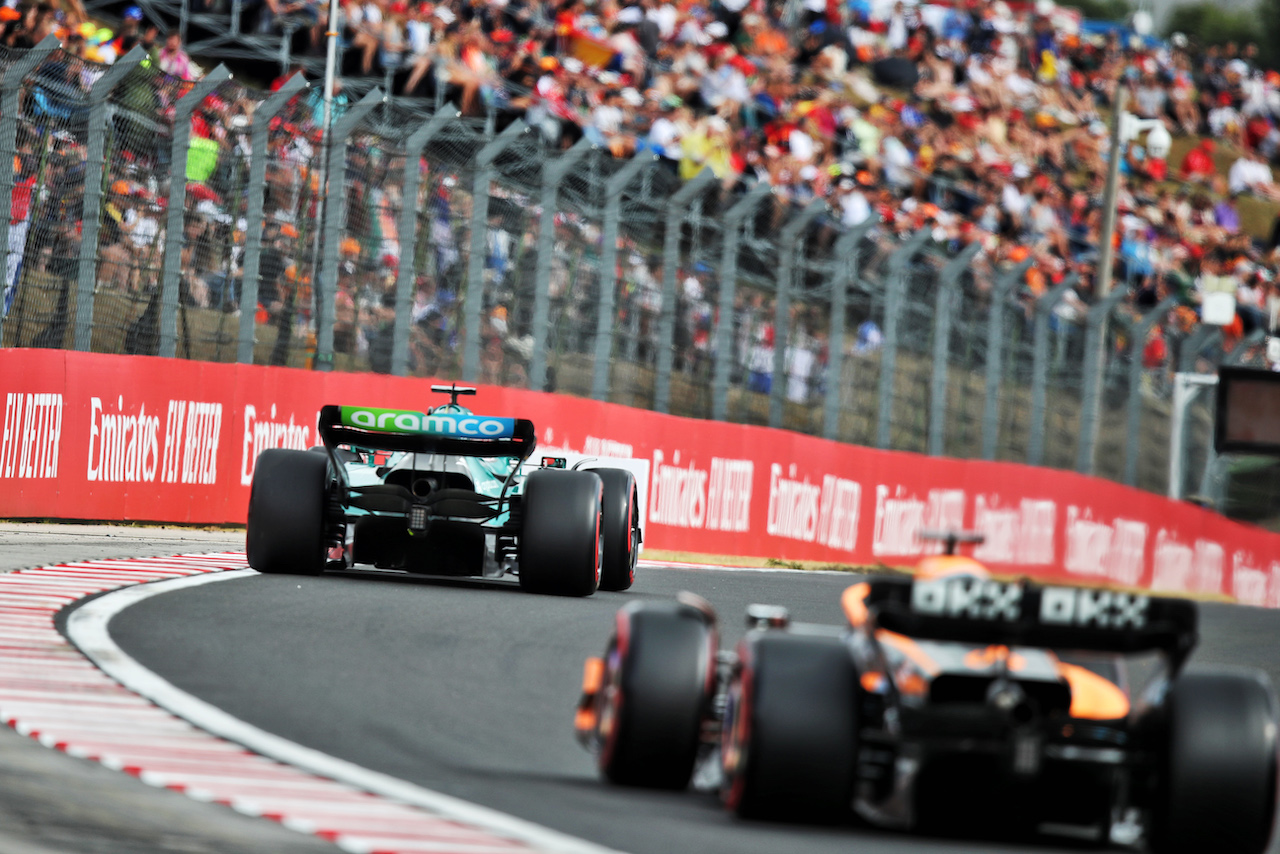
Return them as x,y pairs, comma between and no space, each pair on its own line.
397,713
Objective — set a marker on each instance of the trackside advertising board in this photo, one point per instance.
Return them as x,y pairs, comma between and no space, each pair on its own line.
90,436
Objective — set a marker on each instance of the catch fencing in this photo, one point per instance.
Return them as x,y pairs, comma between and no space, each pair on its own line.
506,253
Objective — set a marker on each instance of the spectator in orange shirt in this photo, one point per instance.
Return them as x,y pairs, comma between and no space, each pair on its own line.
1198,164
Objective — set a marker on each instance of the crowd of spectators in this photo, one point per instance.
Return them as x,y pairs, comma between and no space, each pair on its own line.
979,121
983,121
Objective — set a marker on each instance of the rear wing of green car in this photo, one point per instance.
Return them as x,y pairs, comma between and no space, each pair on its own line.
456,433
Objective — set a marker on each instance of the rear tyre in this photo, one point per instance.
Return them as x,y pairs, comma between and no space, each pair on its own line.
620,524
789,742
659,677
1218,789
560,542
287,503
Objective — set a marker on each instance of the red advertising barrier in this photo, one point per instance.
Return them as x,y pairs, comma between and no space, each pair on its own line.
90,436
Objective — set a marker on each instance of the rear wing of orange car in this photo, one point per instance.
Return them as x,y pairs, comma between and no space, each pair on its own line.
1024,613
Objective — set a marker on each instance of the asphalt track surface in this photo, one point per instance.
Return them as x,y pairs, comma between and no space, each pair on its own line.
467,688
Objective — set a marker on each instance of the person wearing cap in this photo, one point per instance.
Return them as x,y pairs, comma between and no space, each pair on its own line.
854,207
393,42
173,59
24,181
709,146
423,29
1197,164
1224,119
364,31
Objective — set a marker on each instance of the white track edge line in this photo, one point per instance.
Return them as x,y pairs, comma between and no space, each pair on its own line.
87,628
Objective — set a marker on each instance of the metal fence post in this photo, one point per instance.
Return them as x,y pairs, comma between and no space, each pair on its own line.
175,232
995,358
670,261
1137,344
334,213
1194,343
479,232
782,310
733,220
847,268
1091,394
408,233
256,188
10,98
948,293
609,269
895,294
553,172
1040,367
94,167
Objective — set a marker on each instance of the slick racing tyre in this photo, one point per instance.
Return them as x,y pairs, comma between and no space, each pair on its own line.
789,741
1218,788
620,524
659,678
560,536
287,500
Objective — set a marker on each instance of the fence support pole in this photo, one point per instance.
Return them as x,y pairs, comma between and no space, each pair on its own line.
614,189
259,132
848,264
553,172
948,295
94,167
733,220
474,305
1091,394
407,232
787,251
1040,368
10,99
1194,343
995,358
1137,344
175,230
670,261
895,295
335,208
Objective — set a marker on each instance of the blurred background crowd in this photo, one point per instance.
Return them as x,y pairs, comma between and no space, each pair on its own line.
984,121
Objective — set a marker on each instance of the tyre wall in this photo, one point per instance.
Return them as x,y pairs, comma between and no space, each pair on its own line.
91,436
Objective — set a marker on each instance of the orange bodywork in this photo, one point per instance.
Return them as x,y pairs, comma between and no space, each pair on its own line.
910,649
1093,697
989,657
853,600
941,566
592,675
585,718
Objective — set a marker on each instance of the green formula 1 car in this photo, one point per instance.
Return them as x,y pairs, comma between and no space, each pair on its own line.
446,492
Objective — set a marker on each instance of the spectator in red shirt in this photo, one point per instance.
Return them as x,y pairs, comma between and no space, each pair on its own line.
1198,165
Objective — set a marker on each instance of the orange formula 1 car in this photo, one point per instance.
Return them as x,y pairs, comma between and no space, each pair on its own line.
950,701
